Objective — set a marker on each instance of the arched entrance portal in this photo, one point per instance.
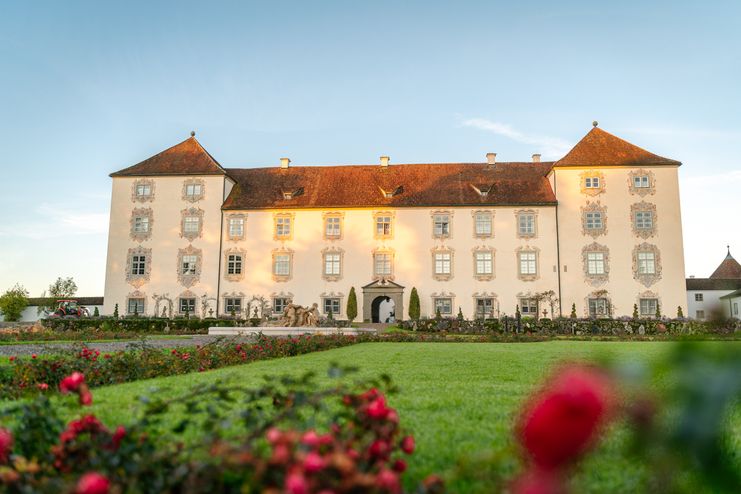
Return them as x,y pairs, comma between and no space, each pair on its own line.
383,309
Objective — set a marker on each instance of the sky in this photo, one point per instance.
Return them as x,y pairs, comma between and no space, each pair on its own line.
87,88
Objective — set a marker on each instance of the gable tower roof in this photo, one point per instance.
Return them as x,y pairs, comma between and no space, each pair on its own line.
600,148
729,269
185,158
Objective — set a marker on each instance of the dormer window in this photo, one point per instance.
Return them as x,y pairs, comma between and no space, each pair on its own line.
295,193
482,190
389,194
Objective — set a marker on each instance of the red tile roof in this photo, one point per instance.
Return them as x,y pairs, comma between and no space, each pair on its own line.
186,158
424,185
600,148
728,269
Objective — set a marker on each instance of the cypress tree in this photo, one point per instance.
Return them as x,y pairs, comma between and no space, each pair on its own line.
414,311
635,311
658,311
115,311
573,311
352,305
680,314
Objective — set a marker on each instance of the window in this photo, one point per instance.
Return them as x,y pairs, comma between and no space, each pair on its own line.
528,263
382,264
187,305
141,224
597,307
482,224
193,191
283,227
138,264
526,224
282,265
331,306
189,263
591,183
234,264
441,225
383,226
233,305
647,306
528,306
280,304
484,264
236,227
646,263
735,309
135,306
443,305
595,263
332,263
644,220
484,307
699,314
191,224
332,227
699,297
442,262
641,182
143,190
593,220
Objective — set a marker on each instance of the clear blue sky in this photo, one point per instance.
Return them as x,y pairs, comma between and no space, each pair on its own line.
87,88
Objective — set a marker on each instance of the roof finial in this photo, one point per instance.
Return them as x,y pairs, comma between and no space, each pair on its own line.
192,133
595,123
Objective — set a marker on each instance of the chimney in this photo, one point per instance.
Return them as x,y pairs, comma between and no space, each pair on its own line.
536,158
491,158
385,161
285,162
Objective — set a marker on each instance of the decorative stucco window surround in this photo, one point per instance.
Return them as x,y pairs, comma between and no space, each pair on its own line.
190,262
442,296
138,266
138,295
525,263
333,225
483,267
596,262
282,264
643,219
641,176
383,264
141,222
332,296
233,296
482,309
642,264
596,296
142,190
278,300
187,294
443,263
383,225
194,189
191,223
333,261
526,222
648,295
164,301
592,175
283,226
442,224
594,219
483,223
235,226
234,264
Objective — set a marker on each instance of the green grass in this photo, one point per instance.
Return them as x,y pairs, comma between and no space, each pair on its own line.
459,399
91,341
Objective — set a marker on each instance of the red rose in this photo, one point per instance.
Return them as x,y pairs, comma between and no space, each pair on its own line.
399,466
388,481
93,483
310,438
378,409
118,436
314,463
379,449
86,397
71,382
6,444
33,355
296,484
407,445
42,386
563,421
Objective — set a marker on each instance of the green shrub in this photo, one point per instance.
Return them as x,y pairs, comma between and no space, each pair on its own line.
13,302
352,305
414,309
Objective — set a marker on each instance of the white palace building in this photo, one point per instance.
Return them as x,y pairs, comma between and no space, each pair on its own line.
600,229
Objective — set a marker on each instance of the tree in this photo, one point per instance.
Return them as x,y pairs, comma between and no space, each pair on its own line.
635,311
414,311
680,314
115,311
460,315
13,302
63,288
352,305
658,311
573,311
96,312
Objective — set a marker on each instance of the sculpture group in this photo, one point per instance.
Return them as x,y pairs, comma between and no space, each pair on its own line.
297,315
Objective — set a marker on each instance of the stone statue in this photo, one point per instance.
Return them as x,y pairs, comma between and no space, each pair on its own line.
297,315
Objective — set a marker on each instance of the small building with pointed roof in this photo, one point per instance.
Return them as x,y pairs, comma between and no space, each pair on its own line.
718,294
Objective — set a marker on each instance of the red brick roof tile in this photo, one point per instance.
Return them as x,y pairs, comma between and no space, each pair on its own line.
728,269
186,158
600,148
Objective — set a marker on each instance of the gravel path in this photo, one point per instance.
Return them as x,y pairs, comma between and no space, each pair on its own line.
42,348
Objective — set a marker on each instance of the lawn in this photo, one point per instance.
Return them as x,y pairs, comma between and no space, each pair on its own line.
458,399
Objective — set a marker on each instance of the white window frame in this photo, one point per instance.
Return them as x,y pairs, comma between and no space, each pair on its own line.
597,307
191,224
526,224
383,265
283,227
280,303
332,227
189,264
443,303
182,301
233,304
483,224
647,306
593,220
700,314
483,262
644,220
646,262
699,297
138,264
234,263
282,264
641,182
331,303
143,190
528,262
193,190
482,302
592,183
528,306
384,226
332,264
139,302
441,225
443,263
141,224
595,263
236,227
